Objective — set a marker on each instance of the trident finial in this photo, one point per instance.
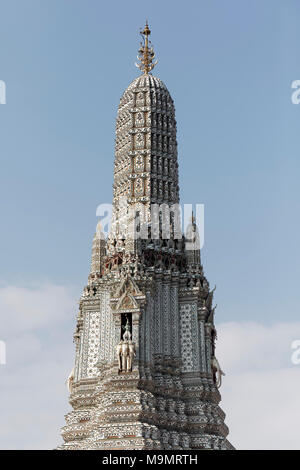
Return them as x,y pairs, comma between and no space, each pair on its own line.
146,53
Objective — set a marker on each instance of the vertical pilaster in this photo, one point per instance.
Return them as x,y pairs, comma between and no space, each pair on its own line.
202,350
166,317
175,316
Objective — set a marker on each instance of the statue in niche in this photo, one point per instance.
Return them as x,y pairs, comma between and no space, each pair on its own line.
139,119
126,350
127,334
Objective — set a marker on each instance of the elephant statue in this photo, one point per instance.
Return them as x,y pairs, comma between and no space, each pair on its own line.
124,355
126,352
119,354
131,355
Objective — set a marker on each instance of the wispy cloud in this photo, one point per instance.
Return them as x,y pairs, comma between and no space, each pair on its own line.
260,390
37,328
27,309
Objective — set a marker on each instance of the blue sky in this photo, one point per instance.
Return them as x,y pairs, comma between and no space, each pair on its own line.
229,68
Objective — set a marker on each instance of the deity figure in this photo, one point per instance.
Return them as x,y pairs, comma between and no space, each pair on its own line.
127,334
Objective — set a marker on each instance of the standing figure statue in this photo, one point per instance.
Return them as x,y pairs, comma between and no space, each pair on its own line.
217,371
127,334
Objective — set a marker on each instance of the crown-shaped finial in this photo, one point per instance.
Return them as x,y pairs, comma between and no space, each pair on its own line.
146,53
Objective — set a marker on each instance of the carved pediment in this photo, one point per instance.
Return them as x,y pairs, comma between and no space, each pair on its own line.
127,302
128,286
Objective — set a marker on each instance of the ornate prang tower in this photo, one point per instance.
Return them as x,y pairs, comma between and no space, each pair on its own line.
145,375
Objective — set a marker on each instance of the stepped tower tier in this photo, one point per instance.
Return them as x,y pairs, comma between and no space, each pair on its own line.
146,167
146,375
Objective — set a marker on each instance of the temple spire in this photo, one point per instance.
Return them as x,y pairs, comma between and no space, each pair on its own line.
98,250
146,376
146,53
